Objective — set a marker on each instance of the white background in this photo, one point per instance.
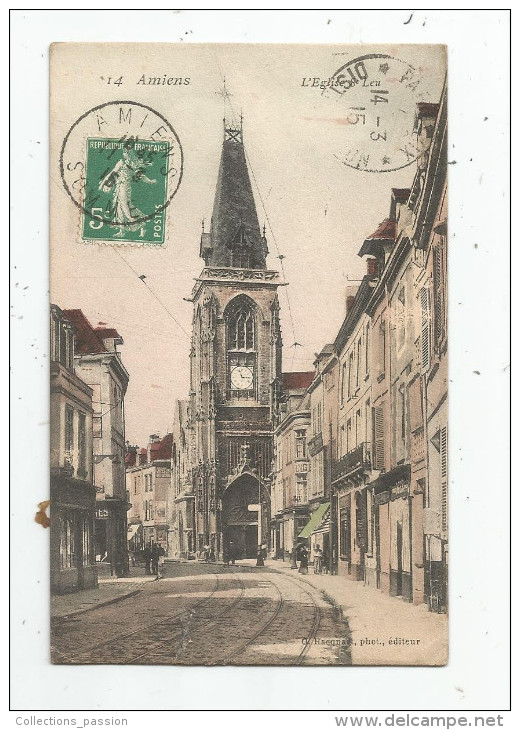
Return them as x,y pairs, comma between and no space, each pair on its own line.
477,675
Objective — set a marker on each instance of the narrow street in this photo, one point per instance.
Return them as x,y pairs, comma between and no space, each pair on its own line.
208,614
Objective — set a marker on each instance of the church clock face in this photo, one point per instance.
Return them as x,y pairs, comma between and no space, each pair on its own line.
242,377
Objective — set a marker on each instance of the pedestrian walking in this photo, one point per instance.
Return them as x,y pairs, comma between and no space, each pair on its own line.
325,560
317,559
260,557
232,555
147,557
304,560
160,561
206,553
155,559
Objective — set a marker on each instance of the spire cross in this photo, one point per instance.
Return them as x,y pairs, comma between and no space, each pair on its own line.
223,92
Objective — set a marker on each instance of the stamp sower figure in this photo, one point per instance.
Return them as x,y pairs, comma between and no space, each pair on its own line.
147,556
127,171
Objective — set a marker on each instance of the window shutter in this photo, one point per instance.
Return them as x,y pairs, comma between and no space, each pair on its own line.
438,320
444,478
425,327
379,438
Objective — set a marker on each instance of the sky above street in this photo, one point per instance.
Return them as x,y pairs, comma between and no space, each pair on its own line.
317,211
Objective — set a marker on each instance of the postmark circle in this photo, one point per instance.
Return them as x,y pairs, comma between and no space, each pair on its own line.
378,95
121,163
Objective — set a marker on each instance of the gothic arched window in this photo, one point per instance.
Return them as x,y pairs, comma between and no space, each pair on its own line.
241,347
241,328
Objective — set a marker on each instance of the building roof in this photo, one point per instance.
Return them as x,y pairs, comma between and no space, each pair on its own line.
295,381
425,109
401,195
162,449
107,333
88,341
384,232
234,223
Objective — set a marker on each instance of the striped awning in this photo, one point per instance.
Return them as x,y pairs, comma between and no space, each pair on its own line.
324,527
316,520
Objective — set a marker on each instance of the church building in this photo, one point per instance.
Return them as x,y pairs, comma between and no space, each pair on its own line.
236,354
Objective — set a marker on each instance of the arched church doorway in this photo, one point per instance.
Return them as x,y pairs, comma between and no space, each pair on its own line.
239,523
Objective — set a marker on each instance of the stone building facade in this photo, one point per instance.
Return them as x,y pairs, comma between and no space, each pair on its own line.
235,368
290,486
73,496
98,362
181,510
148,477
378,442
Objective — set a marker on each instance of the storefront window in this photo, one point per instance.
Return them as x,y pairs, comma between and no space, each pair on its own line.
87,540
301,445
67,543
69,428
82,443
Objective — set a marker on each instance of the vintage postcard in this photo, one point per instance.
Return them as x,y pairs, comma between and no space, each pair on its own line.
249,417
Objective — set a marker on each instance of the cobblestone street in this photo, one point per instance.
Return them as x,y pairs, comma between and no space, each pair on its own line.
207,614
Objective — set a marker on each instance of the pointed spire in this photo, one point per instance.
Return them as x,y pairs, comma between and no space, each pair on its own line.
235,239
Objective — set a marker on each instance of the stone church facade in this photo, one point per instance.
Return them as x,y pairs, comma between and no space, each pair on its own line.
235,370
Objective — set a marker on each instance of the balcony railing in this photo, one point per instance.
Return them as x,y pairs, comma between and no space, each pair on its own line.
354,460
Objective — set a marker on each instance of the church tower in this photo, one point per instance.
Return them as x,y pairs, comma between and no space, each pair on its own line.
235,366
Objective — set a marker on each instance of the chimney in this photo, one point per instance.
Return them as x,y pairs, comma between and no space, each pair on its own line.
350,296
372,268
426,117
154,438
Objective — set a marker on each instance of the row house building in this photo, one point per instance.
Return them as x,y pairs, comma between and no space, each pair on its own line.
148,477
289,509
182,540
377,436
72,492
97,361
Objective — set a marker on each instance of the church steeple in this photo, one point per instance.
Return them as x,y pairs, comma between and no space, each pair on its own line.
234,239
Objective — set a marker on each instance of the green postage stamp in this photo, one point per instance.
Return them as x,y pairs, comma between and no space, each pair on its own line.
121,164
126,190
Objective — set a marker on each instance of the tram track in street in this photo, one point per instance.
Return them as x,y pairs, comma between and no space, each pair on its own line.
72,658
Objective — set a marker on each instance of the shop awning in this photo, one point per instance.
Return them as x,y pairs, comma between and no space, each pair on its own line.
324,527
132,530
315,520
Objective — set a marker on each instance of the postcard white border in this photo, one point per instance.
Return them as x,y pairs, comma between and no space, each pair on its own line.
477,675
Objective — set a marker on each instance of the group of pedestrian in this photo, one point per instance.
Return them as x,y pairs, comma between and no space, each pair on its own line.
320,559
153,559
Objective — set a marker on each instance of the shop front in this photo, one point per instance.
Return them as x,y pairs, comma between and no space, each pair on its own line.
73,566
316,531
392,505
111,537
